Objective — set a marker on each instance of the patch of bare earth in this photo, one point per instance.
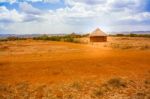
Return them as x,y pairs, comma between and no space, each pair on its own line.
59,70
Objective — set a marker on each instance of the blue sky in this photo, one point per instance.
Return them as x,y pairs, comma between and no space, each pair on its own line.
66,16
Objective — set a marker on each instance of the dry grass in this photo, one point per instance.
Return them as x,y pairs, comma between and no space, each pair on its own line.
4,47
115,87
121,46
129,43
61,70
125,43
145,47
109,86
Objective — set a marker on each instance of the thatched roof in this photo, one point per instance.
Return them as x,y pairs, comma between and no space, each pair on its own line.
98,32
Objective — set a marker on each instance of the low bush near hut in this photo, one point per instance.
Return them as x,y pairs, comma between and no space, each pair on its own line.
131,35
45,37
66,38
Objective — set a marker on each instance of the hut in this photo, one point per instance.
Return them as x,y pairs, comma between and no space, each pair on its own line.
98,36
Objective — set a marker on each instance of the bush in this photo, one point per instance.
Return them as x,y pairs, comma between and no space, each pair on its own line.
110,85
132,35
67,38
145,47
54,38
116,83
76,85
2,40
12,38
3,48
45,37
120,35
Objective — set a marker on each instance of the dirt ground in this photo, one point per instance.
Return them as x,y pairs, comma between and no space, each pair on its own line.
48,62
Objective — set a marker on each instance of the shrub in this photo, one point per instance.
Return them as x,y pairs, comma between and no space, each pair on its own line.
85,35
133,35
67,38
76,85
116,83
98,93
114,45
126,46
3,48
147,81
55,38
12,38
140,95
101,90
121,46
74,35
45,37
108,87
145,47
2,40
120,35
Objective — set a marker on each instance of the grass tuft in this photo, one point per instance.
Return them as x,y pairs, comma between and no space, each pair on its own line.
116,83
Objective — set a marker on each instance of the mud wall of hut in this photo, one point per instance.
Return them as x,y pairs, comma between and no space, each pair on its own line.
98,39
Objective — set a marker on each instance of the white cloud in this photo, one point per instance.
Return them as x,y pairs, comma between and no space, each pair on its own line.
9,15
28,8
31,13
138,17
51,1
27,14
46,1
10,1
77,16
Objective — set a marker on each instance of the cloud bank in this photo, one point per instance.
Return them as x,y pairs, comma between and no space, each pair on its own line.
74,16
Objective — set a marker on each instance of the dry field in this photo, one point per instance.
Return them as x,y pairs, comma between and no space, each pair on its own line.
117,69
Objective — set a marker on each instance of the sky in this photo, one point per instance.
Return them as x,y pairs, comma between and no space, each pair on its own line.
67,16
